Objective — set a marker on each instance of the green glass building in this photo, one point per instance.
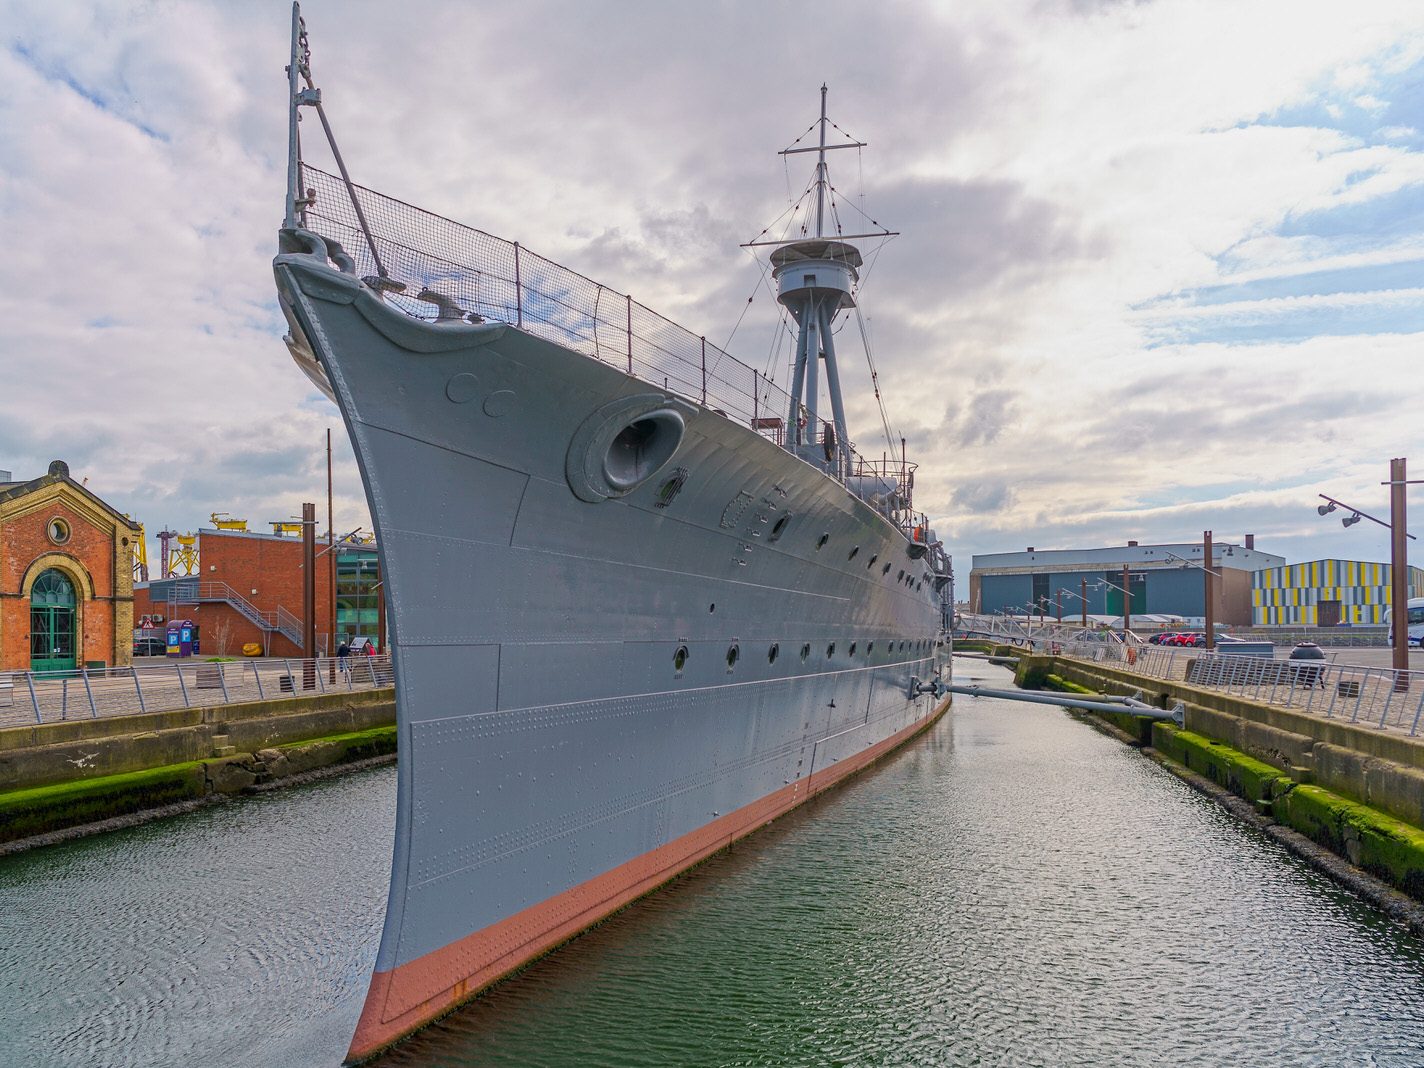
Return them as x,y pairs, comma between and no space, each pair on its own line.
359,599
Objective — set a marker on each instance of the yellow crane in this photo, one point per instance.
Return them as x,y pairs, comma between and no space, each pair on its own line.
225,521
282,529
185,556
140,553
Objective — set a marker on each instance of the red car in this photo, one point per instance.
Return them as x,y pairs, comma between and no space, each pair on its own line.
1185,638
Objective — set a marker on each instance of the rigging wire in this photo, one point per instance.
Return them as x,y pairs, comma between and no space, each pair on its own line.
875,381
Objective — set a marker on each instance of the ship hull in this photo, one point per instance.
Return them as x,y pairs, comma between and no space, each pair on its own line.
598,685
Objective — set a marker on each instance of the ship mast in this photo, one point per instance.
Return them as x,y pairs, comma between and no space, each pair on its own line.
816,279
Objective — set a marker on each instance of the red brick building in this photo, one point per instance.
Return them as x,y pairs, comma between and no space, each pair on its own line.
247,589
66,575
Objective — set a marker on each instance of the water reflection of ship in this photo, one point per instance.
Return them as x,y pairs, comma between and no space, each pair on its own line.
633,617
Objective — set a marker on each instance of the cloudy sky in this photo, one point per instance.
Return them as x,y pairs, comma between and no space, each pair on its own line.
1160,268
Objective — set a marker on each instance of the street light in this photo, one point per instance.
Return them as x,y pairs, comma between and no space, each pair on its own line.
1080,597
1398,560
1126,601
1207,575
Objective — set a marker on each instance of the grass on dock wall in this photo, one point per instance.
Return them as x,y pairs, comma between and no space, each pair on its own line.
41,809
1243,775
1387,848
1384,846
46,808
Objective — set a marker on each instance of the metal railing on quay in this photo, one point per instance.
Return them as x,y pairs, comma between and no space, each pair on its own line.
29,697
1375,696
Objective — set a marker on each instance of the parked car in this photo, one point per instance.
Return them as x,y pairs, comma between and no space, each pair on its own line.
149,647
1185,639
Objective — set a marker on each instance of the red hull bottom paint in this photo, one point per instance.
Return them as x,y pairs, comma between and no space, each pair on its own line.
399,1001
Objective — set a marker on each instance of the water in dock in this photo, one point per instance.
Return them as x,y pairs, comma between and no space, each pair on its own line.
1012,888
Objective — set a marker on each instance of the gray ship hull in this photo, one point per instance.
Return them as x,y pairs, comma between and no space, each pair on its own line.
597,686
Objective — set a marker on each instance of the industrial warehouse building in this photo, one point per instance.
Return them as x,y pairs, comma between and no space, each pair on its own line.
246,589
1326,593
1164,580
66,577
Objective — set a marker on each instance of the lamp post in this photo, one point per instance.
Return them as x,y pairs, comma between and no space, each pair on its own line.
1083,598
1399,569
1398,560
1126,601
1207,575
1126,597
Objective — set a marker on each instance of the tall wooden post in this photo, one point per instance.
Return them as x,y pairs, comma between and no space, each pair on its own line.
1208,589
1398,573
331,562
309,595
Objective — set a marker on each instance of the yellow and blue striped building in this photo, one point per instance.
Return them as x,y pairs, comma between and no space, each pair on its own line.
1309,595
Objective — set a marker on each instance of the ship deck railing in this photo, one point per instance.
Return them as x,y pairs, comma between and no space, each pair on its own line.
440,270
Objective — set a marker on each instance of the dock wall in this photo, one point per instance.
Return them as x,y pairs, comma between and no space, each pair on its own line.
1355,791
59,775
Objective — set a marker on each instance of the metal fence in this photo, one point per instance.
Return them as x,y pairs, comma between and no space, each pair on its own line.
29,697
440,270
1377,696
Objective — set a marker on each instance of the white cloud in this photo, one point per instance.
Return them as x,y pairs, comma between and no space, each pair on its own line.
1053,166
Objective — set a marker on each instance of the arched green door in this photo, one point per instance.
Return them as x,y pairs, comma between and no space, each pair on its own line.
52,623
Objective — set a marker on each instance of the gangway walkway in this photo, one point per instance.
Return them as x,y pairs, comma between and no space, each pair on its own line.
30,697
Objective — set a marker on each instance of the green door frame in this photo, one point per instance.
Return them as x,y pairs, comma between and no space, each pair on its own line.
52,623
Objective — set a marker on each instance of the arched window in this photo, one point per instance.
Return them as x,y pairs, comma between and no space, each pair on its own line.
52,605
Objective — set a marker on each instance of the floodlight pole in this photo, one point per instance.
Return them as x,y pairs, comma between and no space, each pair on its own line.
1085,603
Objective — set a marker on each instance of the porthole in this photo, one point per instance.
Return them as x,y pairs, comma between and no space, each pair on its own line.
779,527
852,650
854,553
830,650
773,652
805,652
821,542
886,569
871,562
58,530
733,653
679,658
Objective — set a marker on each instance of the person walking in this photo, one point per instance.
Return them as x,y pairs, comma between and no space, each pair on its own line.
343,656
